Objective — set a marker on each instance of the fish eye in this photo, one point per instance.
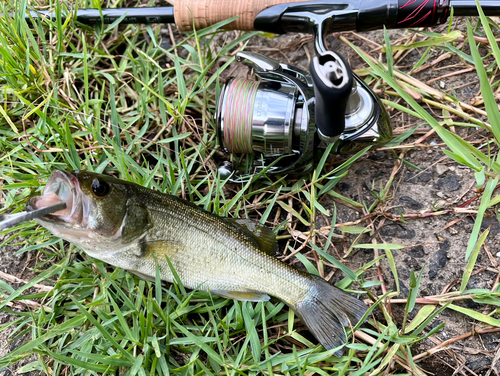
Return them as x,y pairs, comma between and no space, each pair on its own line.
100,188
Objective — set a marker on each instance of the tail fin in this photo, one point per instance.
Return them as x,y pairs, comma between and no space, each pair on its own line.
326,310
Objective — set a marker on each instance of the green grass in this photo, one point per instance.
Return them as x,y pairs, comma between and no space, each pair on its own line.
115,101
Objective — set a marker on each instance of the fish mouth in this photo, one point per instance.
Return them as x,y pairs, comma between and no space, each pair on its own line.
62,187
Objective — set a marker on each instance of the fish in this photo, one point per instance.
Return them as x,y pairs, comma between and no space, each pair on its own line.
140,229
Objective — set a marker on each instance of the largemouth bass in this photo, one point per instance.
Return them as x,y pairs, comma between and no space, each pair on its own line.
136,228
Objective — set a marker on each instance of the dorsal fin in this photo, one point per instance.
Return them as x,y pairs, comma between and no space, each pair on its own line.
263,236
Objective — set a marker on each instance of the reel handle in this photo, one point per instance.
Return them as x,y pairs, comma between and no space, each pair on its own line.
333,81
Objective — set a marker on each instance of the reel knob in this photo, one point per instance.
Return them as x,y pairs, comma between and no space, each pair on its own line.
333,84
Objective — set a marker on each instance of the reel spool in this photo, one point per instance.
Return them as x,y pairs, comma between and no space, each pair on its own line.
283,118
258,117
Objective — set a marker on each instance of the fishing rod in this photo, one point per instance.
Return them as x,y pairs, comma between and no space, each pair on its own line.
287,114
290,15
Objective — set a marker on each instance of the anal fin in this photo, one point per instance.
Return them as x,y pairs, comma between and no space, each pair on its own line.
143,276
250,296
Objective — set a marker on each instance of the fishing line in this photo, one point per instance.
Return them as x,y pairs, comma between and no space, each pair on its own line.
239,99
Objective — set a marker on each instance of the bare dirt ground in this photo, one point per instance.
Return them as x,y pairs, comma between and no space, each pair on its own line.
436,243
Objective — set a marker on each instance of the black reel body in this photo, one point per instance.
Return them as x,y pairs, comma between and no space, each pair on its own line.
286,115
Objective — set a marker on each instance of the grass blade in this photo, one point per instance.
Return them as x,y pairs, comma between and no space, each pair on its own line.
348,272
380,246
476,315
485,201
486,90
472,260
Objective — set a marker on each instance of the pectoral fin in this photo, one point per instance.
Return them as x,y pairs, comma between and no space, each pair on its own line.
249,296
161,248
157,251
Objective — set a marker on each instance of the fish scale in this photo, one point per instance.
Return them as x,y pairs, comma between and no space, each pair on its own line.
137,229
231,255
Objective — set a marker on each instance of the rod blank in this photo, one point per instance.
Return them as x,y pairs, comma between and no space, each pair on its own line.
108,16
469,8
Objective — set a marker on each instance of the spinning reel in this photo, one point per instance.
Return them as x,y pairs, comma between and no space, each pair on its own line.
287,115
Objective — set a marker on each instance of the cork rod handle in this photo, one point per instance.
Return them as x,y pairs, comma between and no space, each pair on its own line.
208,12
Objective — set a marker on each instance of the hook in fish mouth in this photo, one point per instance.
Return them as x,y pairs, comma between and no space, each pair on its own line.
62,187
